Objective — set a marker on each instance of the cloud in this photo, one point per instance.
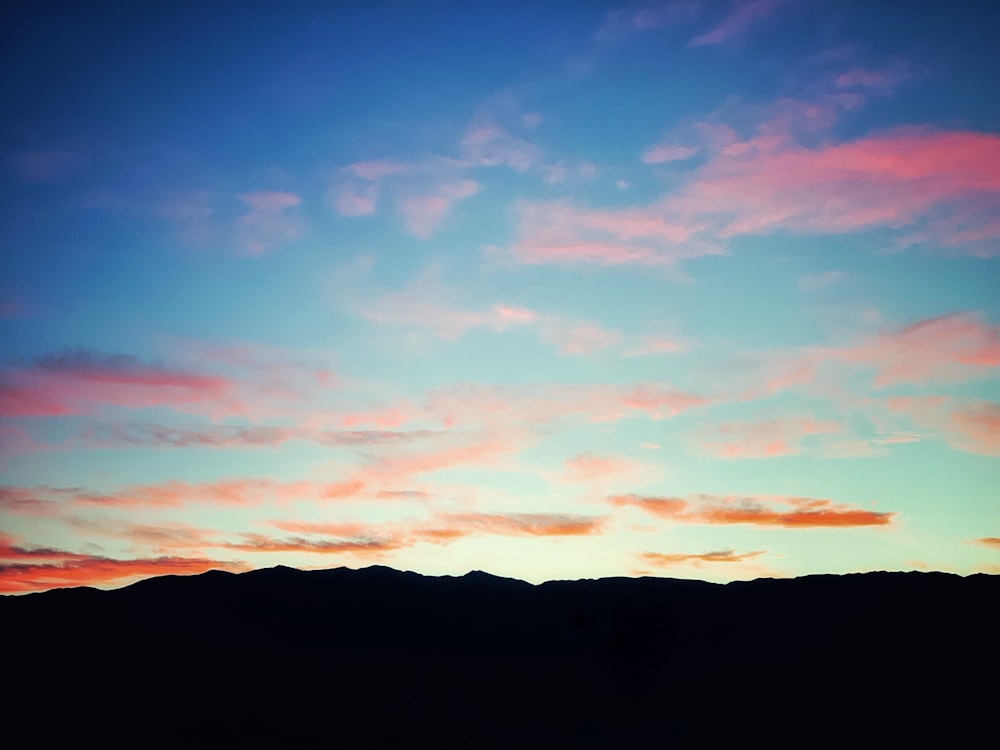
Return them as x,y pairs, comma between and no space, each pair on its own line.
377,169
622,23
544,404
588,468
422,304
739,22
884,80
489,145
560,233
947,348
143,434
952,348
270,221
74,381
25,569
525,524
661,559
810,282
895,179
787,512
237,492
764,439
989,541
665,152
350,201
43,500
578,338
423,214
975,429
261,543
424,191
655,345
968,425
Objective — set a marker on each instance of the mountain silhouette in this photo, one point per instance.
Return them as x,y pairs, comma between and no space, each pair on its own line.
377,657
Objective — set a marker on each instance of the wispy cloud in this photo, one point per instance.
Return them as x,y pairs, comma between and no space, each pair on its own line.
667,152
31,569
784,511
669,559
764,439
811,282
75,381
424,213
745,15
423,304
896,179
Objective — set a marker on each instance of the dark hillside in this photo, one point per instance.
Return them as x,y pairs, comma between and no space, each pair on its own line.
381,658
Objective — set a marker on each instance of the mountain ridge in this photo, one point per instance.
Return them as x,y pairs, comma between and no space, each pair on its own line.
390,657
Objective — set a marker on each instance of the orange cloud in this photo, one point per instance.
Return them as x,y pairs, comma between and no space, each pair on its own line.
989,541
758,511
525,524
25,569
661,559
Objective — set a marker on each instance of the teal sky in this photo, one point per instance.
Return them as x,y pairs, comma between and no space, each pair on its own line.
552,290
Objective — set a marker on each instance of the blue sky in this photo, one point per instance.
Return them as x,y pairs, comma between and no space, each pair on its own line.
551,290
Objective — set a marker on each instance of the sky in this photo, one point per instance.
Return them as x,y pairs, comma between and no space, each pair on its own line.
550,290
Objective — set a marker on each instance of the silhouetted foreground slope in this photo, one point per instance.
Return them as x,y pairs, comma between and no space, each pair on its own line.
381,658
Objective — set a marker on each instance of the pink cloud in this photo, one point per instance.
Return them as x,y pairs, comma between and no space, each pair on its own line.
269,222
375,170
422,304
224,492
889,180
866,78
590,467
77,381
559,233
975,429
579,339
653,345
947,348
746,15
349,201
665,152
952,348
765,439
423,214
490,145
